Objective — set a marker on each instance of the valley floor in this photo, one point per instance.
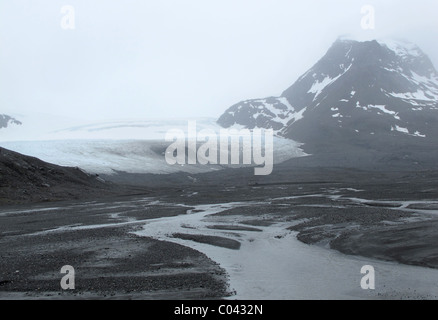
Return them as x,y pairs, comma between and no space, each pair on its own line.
277,240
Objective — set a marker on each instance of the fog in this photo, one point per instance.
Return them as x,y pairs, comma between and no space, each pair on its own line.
179,58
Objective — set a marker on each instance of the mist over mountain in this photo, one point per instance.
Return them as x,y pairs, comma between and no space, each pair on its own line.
374,95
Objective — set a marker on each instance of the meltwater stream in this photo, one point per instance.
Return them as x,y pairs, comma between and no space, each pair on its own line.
273,264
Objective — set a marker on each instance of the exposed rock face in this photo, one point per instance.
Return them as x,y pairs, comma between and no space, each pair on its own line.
375,94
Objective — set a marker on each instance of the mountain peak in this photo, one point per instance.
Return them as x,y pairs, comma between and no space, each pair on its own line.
401,48
363,89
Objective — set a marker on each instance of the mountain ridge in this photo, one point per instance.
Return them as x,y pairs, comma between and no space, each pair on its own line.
375,94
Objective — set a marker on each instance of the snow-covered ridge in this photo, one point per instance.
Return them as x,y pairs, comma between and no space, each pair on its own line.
278,110
426,93
401,48
387,83
270,113
278,115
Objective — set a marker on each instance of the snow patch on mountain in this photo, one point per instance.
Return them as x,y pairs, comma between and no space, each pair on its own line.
269,113
426,90
279,110
297,116
380,109
406,131
319,86
384,110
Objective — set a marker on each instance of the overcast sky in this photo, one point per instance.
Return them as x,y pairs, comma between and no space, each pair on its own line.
179,58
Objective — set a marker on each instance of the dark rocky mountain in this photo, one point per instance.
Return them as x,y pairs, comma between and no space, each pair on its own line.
375,95
27,179
6,121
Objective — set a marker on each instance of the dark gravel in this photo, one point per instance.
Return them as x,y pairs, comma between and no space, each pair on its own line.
108,261
213,240
112,262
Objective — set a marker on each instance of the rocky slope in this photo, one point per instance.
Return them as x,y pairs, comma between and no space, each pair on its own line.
377,96
27,179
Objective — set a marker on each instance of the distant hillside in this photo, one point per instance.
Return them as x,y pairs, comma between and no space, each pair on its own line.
26,179
6,120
